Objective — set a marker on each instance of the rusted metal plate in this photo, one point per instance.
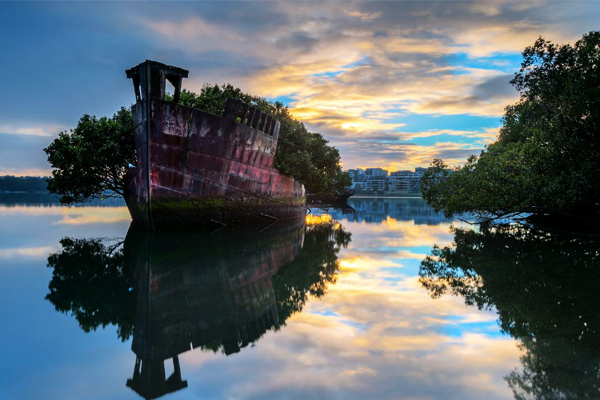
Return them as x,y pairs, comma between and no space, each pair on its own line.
199,166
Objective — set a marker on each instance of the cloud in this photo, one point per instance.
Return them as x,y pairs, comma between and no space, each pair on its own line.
194,28
26,252
360,371
300,41
350,70
47,130
395,156
488,134
357,73
364,16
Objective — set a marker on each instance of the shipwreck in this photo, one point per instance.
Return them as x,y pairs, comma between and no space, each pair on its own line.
195,168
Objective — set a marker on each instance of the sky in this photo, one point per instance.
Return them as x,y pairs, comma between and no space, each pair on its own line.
391,84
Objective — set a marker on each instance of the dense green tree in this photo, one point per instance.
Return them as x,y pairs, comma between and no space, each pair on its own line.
91,160
544,288
545,161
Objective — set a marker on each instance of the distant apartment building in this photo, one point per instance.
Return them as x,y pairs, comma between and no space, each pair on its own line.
358,179
406,181
376,172
400,181
378,180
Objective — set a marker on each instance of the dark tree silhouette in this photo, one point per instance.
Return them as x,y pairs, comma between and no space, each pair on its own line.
314,268
89,280
545,161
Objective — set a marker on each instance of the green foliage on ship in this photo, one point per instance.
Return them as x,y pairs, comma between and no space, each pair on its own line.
545,161
91,160
304,155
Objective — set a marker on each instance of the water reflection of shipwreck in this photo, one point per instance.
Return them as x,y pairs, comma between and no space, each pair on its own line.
208,291
179,290
196,168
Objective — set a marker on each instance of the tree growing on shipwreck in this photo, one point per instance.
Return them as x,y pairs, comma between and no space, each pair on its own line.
91,160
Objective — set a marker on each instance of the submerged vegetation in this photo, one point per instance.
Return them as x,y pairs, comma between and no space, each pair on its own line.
545,161
91,160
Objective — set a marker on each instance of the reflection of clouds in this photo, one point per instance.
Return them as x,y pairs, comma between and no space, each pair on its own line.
93,219
33,227
375,334
392,233
323,354
369,298
362,264
313,219
72,215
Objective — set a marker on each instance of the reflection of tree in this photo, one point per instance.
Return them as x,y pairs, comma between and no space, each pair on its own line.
544,286
89,280
312,270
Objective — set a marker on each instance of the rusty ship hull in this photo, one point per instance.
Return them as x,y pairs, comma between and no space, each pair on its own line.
195,168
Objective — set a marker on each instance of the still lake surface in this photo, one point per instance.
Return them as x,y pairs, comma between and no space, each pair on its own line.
335,308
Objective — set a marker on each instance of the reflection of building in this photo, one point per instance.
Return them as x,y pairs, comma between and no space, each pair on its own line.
208,291
376,210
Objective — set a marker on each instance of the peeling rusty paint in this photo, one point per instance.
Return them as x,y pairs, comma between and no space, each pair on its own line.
188,158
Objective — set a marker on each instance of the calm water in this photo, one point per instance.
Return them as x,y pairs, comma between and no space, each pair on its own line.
340,308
